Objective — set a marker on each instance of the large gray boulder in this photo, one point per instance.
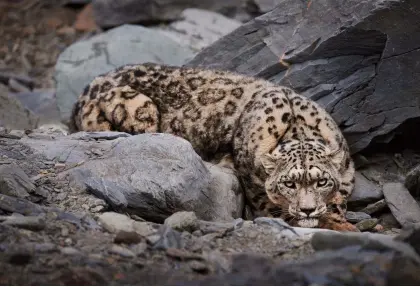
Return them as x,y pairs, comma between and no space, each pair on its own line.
199,28
148,175
356,58
81,62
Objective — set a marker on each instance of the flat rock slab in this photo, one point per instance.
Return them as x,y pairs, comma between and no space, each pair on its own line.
149,175
402,205
14,181
352,57
81,62
364,191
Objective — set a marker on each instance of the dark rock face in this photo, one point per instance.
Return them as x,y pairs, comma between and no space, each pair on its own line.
113,13
353,57
368,267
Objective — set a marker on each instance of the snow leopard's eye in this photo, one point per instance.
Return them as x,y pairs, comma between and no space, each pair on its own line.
290,184
321,182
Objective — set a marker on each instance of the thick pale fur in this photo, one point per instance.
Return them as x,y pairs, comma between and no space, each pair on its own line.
288,152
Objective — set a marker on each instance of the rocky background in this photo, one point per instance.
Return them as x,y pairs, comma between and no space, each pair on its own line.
111,208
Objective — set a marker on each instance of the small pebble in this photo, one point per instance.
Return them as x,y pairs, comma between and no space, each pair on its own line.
183,220
64,231
367,224
116,249
153,238
128,237
68,241
98,201
61,196
69,251
41,192
45,247
59,165
199,266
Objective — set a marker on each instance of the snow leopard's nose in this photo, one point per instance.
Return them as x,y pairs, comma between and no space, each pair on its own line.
307,211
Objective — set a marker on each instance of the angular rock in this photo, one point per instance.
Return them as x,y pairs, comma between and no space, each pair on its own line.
16,86
45,247
168,238
42,103
6,76
355,217
349,58
81,62
128,175
14,181
182,220
371,241
115,222
199,28
70,251
402,205
227,190
388,221
116,249
34,223
364,191
19,205
13,114
123,225
367,224
145,228
412,181
412,237
47,131
347,266
109,13
375,207
207,227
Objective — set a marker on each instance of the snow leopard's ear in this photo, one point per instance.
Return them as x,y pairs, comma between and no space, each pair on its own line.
269,163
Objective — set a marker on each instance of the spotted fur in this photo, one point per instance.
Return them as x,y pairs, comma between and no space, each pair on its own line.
288,152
